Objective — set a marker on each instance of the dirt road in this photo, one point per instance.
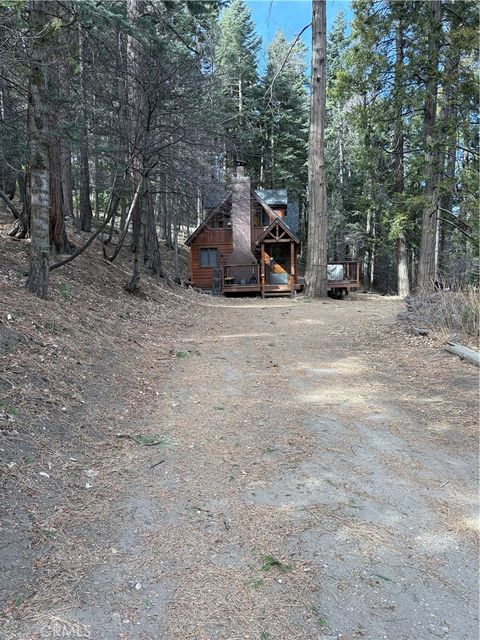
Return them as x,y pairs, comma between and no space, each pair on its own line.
315,478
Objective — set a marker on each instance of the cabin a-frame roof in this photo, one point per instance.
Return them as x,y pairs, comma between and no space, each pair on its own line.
278,222
227,202
210,216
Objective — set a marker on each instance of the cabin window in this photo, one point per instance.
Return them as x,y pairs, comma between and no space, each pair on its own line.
261,218
208,257
220,221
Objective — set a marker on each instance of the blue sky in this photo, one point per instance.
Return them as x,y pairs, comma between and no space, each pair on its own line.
291,16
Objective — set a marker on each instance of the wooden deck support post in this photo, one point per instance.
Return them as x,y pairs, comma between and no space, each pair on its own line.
262,269
292,269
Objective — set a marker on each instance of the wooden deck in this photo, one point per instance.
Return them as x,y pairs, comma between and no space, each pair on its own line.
342,284
270,289
351,281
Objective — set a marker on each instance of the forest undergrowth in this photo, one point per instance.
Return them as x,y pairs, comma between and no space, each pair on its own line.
452,314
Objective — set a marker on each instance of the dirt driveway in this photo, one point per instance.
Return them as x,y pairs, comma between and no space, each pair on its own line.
315,478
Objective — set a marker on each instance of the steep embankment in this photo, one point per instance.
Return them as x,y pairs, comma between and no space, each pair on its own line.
72,369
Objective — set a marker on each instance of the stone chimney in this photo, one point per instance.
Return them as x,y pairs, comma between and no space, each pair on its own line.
241,223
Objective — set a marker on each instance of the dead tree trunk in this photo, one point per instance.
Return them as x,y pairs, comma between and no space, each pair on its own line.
317,242
39,149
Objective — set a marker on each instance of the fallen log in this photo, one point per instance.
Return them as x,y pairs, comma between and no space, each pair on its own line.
465,353
420,331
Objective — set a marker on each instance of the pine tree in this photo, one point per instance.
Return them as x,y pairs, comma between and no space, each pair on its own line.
284,134
39,114
235,65
316,268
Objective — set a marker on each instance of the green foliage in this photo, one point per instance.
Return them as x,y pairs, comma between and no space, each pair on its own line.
255,584
270,562
235,68
154,440
366,92
8,408
283,135
66,291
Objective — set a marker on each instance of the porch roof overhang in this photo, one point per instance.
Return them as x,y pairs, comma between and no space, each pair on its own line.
273,228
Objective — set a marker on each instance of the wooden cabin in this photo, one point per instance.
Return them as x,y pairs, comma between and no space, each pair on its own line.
245,245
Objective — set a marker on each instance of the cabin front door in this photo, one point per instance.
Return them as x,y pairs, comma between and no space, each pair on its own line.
279,265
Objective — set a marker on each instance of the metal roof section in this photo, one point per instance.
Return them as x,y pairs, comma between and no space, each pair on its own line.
273,196
214,196
293,217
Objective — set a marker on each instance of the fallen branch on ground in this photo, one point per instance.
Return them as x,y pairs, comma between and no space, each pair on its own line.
464,352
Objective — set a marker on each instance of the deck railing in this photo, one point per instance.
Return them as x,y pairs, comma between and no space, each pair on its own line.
235,275
351,270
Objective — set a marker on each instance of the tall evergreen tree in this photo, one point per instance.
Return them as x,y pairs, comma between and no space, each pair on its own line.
235,65
317,239
39,114
285,118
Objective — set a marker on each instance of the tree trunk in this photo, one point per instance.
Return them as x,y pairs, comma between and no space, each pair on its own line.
137,138
67,183
426,269
152,248
403,286
58,233
21,226
369,258
38,109
449,129
145,239
317,243
98,181
169,205
64,108
139,259
85,204
123,213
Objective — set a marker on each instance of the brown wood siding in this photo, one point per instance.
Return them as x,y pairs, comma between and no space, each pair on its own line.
220,239
256,233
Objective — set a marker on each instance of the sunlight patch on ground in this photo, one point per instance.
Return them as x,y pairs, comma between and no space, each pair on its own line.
258,307
472,523
439,426
429,400
309,322
331,396
350,364
229,336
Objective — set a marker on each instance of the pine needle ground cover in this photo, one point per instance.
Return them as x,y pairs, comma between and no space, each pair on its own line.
312,504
